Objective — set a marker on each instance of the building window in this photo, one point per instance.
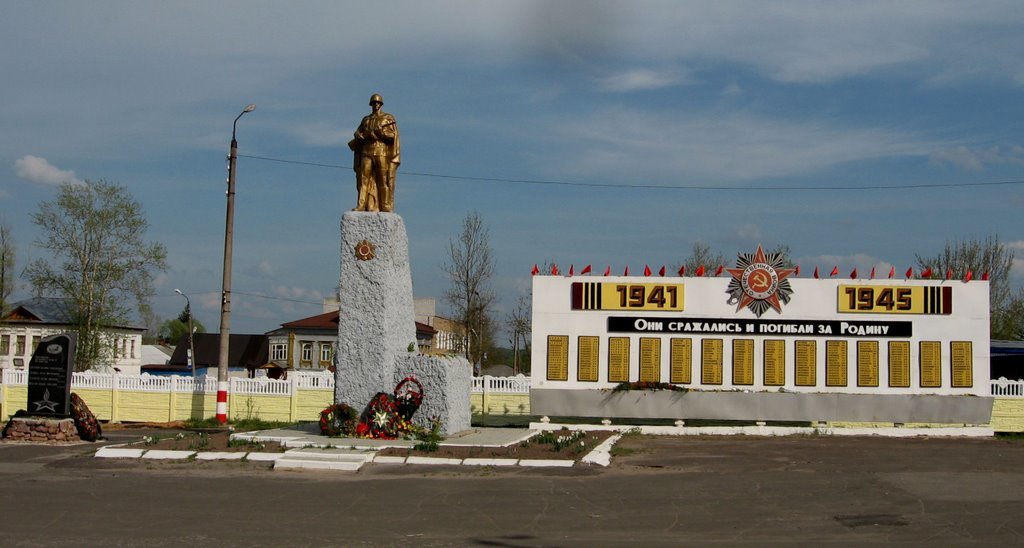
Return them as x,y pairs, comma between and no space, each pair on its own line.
133,349
35,344
326,353
19,345
5,344
307,353
279,352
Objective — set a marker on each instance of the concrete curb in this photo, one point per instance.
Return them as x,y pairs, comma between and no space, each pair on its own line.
602,454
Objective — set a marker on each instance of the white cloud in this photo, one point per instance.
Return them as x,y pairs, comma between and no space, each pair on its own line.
975,159
733,89
642,80
37,170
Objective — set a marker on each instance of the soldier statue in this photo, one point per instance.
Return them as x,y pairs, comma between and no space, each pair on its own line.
377,153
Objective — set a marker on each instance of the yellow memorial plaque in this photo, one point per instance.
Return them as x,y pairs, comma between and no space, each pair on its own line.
743,361
899,364
774,362
627,296
961,362
650,359
867,363
806,363
894,299
835,363
681,358
587,354
711,357
558,357
618,359
930,359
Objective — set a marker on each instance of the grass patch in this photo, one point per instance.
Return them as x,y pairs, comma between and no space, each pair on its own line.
1010,436
240,425
523,421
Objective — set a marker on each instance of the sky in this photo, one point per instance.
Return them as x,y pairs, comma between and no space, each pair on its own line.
859,134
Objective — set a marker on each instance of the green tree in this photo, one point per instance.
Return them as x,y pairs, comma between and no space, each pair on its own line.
470,267
980,257
95,233
174,329
6,265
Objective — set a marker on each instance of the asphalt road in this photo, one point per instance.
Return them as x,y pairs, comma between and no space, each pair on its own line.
659,490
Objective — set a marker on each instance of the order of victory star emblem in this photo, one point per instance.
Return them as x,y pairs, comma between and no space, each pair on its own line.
759,282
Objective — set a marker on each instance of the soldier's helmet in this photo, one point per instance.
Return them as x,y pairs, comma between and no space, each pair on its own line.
376,98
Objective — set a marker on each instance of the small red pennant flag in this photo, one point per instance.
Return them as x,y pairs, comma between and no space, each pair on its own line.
554,269
626,272
796,271
718,271
853,275
949,273
926,273
700,271
608,270
984,276
910,273
586,270
647,270
835,270
570,270
815,273
872,277
969,276
661,272
682,271
535,270
892,271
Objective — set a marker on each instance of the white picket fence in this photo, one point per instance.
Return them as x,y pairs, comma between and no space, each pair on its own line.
520,384
1004,387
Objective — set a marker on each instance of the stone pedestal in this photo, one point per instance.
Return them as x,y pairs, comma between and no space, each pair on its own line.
376,324
41,430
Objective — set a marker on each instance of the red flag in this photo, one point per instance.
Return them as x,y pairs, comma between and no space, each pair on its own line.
626,272
853,275
969,276
535,270
815,273
662,271
926,273
586,270
910,272
700,271
718,271
647,270
796,271
608,270
835,270
892,271
554,269
682,270
570,270
984,276
872,277
949,273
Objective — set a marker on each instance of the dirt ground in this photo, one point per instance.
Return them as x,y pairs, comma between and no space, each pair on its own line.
530,449
202,441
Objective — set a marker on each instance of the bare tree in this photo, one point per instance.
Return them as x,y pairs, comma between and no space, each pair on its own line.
6,265
701,255
95,231
979,257
518,323
470,267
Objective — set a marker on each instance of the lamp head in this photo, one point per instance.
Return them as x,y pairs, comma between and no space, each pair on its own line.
250,107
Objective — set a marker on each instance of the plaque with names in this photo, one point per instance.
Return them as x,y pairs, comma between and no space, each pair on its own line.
899,364
743,361
835,363
618,359
806,363
867,363
930,358
961,361
711,361
774,362
650,359
49,376
681,358
586,358
558,357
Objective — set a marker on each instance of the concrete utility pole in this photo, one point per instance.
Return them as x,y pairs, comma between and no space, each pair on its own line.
225,299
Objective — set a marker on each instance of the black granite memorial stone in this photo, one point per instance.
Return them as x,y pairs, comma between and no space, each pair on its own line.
49,376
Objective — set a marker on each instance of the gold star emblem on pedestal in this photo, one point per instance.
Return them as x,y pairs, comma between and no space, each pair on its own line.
759,282
365,250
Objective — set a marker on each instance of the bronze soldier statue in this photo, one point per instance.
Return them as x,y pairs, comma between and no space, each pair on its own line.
377,153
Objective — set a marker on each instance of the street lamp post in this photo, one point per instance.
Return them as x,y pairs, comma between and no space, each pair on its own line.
225,298
191,346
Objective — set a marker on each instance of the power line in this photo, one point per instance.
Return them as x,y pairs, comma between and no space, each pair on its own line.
651,186
268,297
